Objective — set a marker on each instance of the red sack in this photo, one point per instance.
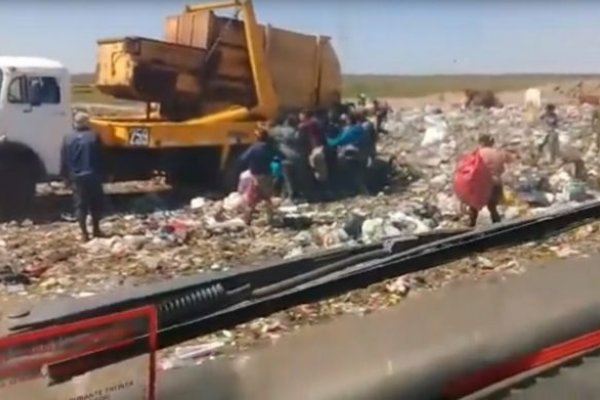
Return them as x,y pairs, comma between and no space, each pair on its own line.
473,181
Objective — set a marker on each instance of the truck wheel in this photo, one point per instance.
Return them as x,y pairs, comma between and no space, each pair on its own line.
18,180
192,168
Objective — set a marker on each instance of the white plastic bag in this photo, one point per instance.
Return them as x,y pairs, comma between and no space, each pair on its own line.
436,131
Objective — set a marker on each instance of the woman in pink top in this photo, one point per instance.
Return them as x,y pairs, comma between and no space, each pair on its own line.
495,160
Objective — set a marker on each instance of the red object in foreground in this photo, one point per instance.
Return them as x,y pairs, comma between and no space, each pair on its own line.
22,354
473,181
482,379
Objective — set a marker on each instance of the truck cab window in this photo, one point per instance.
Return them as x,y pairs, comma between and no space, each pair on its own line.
17,93
39,90
45,90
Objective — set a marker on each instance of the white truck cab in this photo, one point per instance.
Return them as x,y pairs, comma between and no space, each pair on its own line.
35,115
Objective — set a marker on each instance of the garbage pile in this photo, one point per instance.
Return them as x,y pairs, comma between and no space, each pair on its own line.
432,140
47,260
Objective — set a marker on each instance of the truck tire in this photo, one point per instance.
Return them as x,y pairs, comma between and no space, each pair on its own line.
18,180
192,168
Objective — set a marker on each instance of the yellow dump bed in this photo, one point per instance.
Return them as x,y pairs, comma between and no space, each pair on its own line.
304,68
142,69
203,67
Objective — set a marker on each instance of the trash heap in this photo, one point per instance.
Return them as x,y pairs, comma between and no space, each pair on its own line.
47,260
432,140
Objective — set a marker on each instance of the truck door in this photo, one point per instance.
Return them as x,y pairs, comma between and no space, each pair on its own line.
37,115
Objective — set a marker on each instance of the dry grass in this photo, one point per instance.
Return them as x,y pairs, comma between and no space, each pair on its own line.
387,86
89,94
418,86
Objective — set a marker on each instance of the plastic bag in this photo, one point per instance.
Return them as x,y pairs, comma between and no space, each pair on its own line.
277,169
318,164
436,132
248,188
473,181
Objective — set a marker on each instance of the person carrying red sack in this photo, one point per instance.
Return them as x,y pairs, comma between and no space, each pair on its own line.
478,179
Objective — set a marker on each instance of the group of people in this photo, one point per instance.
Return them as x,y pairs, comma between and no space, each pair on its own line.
308,156
312,156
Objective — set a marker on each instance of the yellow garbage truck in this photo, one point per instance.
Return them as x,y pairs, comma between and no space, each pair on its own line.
213,80
206,86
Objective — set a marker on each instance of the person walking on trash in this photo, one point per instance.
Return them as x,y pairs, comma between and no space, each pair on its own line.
495,160
551,139
81,167
257,159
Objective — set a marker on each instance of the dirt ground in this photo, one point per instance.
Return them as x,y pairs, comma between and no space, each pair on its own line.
558,93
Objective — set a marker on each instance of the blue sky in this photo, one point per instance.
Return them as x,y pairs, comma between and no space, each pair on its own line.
386,37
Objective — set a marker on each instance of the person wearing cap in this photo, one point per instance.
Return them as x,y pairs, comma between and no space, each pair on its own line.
257,159
81,167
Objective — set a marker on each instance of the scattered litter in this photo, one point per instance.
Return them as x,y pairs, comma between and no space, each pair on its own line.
150,243
197,203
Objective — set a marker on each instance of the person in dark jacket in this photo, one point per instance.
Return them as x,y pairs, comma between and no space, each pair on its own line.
81,167
257,159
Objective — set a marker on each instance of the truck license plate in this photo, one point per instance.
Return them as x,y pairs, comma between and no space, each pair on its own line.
139,137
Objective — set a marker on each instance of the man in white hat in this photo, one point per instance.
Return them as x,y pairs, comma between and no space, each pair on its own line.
81,166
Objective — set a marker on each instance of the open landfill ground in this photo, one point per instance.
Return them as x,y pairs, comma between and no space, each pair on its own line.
156,237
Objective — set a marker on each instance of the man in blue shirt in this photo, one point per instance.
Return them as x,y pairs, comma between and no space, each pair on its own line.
81,167
351,135
351,145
